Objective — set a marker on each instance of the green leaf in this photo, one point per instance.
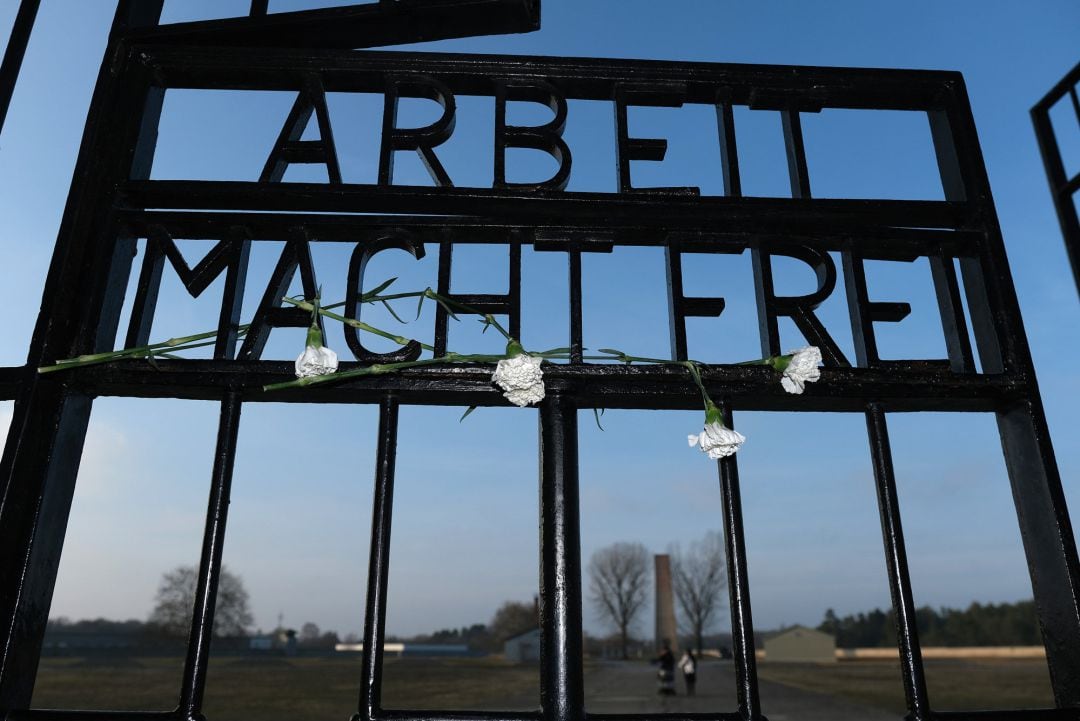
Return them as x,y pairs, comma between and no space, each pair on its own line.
447,308
465,415
611,351
596,415
420,305
555,350
378,289
391,311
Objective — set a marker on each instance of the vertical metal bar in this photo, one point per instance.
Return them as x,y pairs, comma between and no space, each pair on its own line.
951,310
1049,543
729,151
1075,103
742,623
576,331
798,175
892,533
676,301
1043,516
513,295
379,564
193,683
259,8
562,695
13,55
995,347
41,456
232,296
442,320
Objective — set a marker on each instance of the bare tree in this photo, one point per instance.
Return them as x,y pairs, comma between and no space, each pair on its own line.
309,632
175,603
618,577
699,578
512,618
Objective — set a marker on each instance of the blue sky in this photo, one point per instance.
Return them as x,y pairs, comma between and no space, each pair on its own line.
465,535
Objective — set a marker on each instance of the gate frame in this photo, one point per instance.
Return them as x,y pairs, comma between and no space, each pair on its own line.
106,214
1062,187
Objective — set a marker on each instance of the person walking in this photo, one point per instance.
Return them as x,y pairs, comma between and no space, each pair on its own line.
665,677
688,664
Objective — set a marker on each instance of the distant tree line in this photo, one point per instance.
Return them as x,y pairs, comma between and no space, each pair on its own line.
510,619
129,627
981,624
476,636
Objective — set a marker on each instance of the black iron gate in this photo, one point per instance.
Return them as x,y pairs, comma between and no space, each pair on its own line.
112,204
1063,189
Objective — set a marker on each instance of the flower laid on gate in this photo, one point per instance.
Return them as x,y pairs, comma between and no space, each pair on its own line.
519,376
799,368
716,440
317,359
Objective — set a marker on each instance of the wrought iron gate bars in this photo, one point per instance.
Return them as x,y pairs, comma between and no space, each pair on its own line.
1063,189
112,204
14,52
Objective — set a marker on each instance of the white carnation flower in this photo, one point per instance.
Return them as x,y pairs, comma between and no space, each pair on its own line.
801,369
520,379
717,440
316,361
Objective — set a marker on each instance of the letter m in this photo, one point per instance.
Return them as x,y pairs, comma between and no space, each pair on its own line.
229,256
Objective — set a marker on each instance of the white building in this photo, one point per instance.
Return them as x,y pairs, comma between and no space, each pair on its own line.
801,645
523,647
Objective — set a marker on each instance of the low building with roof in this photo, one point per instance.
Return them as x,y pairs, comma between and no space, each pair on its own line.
800,644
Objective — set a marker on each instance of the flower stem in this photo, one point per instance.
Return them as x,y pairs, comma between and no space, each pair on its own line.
489,319
374,297
354,323
382,368
771,361
626,358
145,351
449,304
696,375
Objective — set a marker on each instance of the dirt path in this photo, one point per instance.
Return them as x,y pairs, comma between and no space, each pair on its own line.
622,687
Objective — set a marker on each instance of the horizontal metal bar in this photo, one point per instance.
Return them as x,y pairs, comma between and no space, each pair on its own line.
513,205
73,715
593,385
10,380
729,716
579,78
399,715
1071,186
1036,714
362,25
873,242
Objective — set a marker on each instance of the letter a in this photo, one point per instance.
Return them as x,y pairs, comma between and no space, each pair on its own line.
290,149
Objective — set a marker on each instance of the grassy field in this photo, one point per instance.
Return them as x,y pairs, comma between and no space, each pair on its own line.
326,689
951,684
286,688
